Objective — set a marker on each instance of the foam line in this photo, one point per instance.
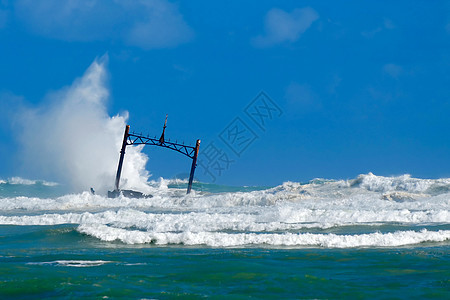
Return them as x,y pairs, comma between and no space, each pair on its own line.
254,221
220,239
73,263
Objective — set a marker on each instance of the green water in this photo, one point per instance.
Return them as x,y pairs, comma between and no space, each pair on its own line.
30,267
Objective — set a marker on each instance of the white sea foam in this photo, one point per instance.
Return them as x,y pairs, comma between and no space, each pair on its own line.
400,183
73,263
283,217
280,216
23,181
221,239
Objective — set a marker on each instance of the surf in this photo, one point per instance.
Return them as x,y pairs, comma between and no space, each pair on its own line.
320,213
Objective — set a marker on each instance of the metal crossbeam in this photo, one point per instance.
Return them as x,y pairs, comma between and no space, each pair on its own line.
137,139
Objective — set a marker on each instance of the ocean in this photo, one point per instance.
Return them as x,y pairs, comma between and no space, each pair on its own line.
367,237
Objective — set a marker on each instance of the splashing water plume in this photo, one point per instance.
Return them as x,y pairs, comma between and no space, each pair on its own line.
73,140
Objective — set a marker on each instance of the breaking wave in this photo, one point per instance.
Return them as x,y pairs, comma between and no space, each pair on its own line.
403,183
78,140
221,239
368,211
23,181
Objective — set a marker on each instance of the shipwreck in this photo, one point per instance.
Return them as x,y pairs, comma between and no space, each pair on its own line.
139,139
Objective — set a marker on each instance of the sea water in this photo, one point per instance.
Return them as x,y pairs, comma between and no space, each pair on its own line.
368,237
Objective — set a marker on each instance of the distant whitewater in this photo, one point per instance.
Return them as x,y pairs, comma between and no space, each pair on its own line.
369,211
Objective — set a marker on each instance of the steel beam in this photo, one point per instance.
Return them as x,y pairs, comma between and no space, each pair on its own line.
122,154
194,164
139,139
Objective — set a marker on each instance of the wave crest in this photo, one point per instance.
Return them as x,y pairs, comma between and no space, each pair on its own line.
221,239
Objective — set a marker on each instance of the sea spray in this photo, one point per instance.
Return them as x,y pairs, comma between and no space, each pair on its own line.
72,139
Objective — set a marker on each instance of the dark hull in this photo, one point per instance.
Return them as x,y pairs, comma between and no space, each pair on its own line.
128,194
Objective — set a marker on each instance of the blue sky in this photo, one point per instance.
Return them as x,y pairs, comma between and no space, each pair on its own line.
361,86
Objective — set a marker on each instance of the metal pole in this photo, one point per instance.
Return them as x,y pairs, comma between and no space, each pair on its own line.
161,139
194,164
122,154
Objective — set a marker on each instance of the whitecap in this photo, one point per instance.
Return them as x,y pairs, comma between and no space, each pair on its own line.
73,263
221,239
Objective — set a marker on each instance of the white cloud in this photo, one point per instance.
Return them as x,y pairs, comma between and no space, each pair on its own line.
387,25
281,26
393,70
145,24
301,97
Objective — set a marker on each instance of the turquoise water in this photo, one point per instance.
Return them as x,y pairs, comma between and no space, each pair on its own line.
321,240
54,262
